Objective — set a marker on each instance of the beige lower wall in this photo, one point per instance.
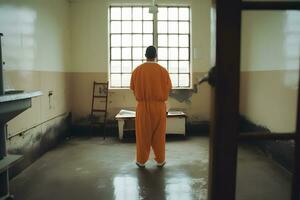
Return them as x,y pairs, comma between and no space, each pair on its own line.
195,104
44,108
268,98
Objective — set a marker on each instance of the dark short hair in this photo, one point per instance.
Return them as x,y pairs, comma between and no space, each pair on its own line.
151,52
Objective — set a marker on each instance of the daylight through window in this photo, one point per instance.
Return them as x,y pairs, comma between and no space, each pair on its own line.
132,31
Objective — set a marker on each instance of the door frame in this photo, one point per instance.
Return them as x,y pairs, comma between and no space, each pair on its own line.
224,135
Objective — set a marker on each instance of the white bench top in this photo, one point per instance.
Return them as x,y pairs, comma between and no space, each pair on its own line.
128,114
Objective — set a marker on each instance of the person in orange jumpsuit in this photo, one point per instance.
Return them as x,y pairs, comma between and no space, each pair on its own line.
151,84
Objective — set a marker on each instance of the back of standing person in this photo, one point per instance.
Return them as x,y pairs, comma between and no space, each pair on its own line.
151,84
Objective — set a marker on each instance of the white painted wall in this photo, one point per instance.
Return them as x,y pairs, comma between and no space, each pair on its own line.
37,34
270,40
90,32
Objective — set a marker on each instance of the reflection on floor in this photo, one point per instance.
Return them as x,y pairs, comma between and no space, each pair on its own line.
90,168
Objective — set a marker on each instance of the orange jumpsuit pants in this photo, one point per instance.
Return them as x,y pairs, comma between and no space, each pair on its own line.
151,84
150,130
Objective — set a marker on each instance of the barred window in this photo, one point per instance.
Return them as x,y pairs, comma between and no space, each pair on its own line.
132,31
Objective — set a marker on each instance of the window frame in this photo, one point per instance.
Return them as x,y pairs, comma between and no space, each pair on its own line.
168,47
155,35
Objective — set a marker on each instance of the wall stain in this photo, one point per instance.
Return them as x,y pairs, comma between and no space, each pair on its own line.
184,95
34,147
280,151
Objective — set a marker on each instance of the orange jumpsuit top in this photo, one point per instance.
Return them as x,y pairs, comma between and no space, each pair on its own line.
150,82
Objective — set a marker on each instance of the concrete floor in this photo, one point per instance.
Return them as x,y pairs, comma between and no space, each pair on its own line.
90,168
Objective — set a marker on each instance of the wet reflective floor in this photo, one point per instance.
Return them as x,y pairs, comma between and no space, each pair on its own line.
90,168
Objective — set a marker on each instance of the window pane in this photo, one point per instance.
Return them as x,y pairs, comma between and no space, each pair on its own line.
184,54
137,27
162,53
146,14
173,14
115,40
135,64
147,40
115,80
126,53
126,13
162,27
126,27
174,79
137,13
183,40
173,40
164,64
184,80
115,66
184,27
115,53
184,67
162,14
138,53
115,27
115,13
173,27
148,27
184,14
126,80
126,66
137,40
173,53
126,40
162,40
173,66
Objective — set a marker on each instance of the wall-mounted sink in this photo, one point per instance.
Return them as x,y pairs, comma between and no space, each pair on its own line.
13,91
13,104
